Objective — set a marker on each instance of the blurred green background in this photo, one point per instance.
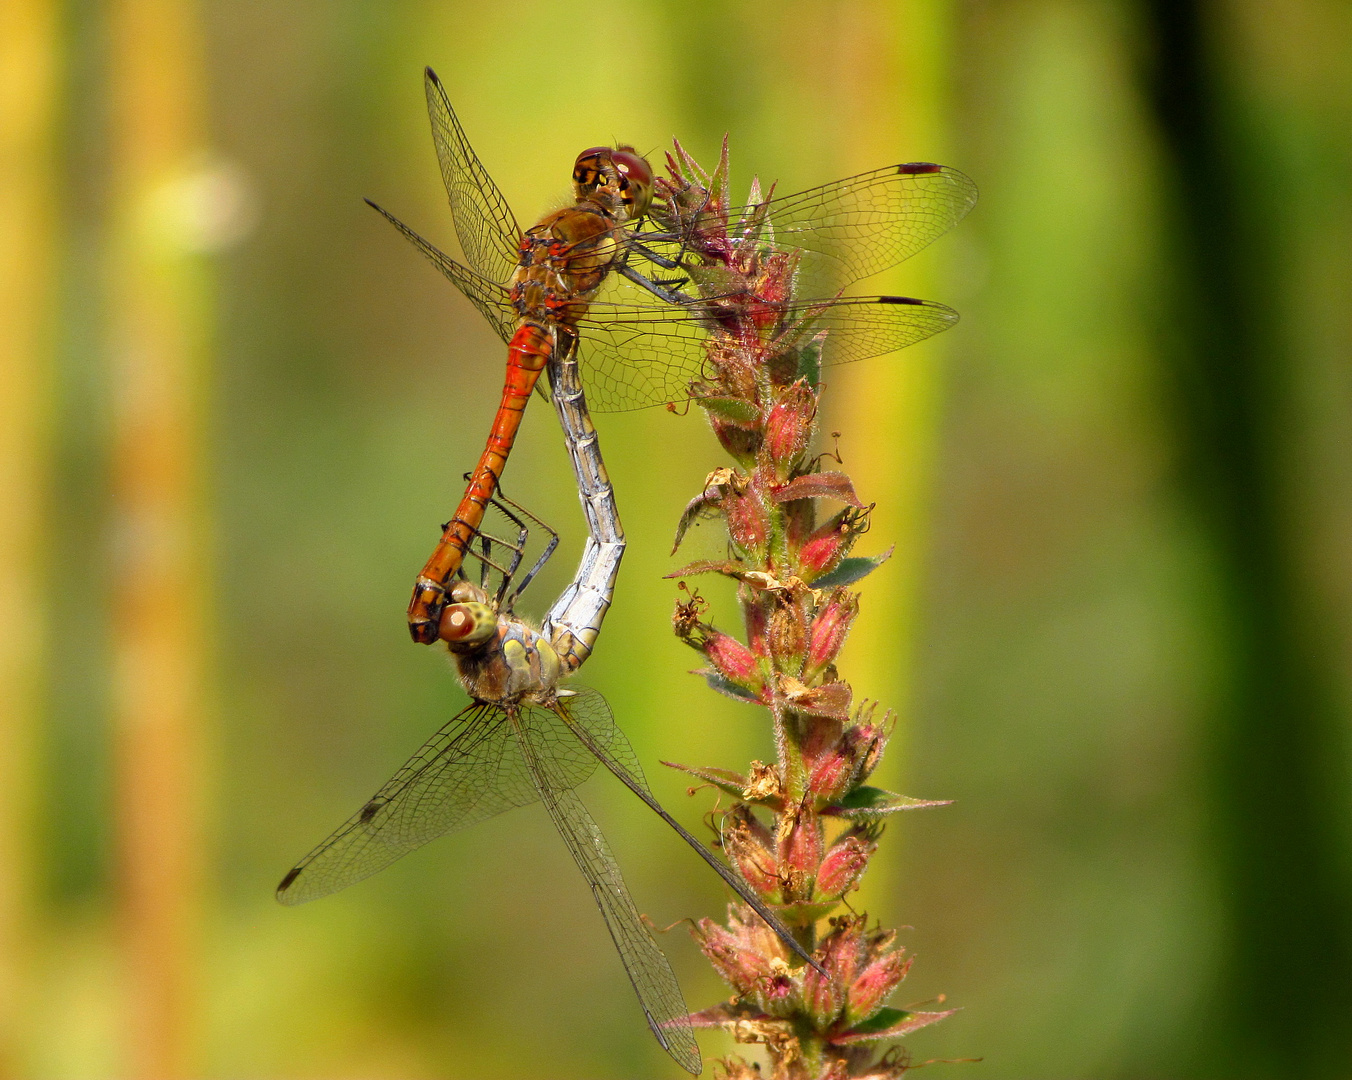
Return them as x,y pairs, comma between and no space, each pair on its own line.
235,407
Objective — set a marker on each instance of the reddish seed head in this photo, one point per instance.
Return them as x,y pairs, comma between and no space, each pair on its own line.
749,847
843,866
874,985
829,630
831,776
788,429
732,659
800,849
740,967
825,547
747,521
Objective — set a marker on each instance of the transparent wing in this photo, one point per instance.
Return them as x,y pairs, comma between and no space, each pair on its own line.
491,298
488,232
864,224
467,772
634,356
587,713
543,734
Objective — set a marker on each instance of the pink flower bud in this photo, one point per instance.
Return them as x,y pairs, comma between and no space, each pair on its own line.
788,428
823,998
741,966
831,776
756,613
740,442
844,865
748,523
829,630
827,545
800,848
733,660
787,637
840,949
777,993
874,985
750,848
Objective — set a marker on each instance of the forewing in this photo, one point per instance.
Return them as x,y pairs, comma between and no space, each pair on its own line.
634,356
590,711
491,298
467,772
861,327
488,232
590,720
543,736
867,223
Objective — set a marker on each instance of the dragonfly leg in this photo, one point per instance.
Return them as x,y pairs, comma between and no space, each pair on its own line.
671,296
505,599
654,258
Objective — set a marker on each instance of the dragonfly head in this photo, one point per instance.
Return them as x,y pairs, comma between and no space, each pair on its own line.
467,626
619,178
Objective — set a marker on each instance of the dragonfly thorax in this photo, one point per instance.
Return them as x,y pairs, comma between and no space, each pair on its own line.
516,663
562,262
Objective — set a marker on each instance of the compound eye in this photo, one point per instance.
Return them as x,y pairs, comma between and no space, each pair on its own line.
636,180
587,170
465,625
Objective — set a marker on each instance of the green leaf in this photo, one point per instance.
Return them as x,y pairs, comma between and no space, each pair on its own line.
727,687
810,362
855,568
805,912
712,280
865,802
737,410
889,1024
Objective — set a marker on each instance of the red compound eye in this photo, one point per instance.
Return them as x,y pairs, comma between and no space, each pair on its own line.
466,624
636,180
634,167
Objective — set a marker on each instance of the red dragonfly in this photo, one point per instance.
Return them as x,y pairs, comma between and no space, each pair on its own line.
570,283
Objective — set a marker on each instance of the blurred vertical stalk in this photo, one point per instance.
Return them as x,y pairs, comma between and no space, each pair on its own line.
889,85
159,317
1276,759
29,58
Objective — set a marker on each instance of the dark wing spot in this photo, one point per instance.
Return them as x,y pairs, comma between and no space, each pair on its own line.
291,876
912,168
900,300
371,809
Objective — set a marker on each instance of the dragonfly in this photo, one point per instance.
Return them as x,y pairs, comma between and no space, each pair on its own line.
523,738
571,286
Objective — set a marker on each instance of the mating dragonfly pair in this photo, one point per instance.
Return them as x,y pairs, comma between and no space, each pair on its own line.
571,302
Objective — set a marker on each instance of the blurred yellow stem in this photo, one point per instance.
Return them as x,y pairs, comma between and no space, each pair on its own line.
159,309
28,88
889,79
